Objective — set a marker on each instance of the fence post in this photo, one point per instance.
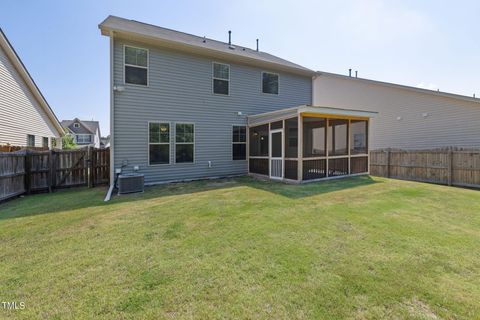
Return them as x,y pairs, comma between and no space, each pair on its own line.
52,173
450,165
28,170
388,163
89,166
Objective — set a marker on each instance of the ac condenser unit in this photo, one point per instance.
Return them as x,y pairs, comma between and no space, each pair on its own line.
129,183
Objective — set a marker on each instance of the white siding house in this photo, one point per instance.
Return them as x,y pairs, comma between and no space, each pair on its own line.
25,116
408,117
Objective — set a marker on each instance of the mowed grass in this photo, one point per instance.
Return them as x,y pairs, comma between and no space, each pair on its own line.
357,248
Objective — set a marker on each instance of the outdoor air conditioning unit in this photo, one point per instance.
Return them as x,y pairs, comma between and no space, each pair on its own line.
129,183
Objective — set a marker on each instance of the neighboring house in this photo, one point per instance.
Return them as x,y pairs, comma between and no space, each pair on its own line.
105,142
84,133
185,107
408,117
26,119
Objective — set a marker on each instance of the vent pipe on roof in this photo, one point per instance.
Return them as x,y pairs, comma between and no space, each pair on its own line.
474,95
257,44
356,74
229,37
349,72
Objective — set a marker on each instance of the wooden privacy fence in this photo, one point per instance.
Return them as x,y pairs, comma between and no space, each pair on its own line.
452,166
28,171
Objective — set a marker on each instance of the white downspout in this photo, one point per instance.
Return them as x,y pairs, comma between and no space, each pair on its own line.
112,140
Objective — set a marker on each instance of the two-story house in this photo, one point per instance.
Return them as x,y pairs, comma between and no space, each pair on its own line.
84,133
26,119
185,107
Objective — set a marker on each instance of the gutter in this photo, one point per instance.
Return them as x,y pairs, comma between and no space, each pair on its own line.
112,139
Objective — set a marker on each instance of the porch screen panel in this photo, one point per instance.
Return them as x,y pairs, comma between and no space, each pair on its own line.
358,136
337,167
358,165
313,137
337,137
291,169
259,166
259,141
314,169
291,138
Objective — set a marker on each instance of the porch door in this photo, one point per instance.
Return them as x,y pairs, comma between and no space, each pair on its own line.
276,154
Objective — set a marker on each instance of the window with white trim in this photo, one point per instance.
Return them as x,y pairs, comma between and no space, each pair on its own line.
76,125
84,138
184,142
269,83
221,78
30,140
158,143
45,142
239,143
136,65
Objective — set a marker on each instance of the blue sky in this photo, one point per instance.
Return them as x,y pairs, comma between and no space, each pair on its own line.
431,44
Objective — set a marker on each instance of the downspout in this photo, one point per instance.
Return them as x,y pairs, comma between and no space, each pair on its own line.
112,140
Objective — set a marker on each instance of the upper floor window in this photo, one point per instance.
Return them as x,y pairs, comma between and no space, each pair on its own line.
30,140
136,66
221,78
76,125
269,83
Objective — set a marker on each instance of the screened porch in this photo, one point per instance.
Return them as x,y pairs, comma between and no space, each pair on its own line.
309,143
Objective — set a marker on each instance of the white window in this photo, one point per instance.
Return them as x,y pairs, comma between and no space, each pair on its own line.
269,83
158,143
136,65
184,142
76,125
221,78
84,138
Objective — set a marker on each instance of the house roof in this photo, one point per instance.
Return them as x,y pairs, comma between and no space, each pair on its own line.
86,127
286,113
22,70
201,45
399,86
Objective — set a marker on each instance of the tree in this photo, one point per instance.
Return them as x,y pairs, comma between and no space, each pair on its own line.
68,142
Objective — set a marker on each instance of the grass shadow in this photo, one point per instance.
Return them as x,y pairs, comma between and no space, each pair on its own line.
84,198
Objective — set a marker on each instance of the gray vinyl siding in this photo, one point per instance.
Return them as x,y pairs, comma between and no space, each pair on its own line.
180,90
20,113
450,121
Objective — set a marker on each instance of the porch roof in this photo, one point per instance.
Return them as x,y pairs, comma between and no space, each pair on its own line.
307,110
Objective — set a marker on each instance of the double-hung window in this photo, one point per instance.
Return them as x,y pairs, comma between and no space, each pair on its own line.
221,78
269,83
184,142
158,143
239,143
45,142
30,140
136,66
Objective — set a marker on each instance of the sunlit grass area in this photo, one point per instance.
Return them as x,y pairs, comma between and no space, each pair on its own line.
357,248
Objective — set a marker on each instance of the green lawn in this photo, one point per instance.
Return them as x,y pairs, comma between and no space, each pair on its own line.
358,248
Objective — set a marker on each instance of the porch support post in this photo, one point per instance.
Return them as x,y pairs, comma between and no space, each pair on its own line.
348,146
326,146
300,148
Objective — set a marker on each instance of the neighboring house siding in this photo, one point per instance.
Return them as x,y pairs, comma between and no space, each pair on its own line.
450,121
20,112
180,90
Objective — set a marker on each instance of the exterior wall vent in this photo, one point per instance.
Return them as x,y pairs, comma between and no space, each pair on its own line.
130,183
